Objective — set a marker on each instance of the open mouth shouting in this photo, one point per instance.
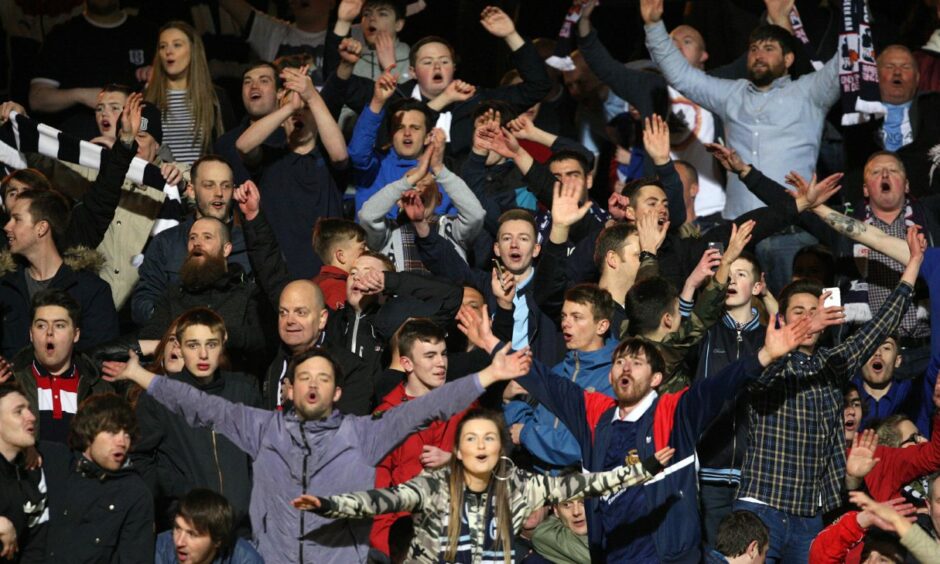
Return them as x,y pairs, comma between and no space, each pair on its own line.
850,423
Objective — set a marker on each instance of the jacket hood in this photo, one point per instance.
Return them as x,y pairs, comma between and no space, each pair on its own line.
76,258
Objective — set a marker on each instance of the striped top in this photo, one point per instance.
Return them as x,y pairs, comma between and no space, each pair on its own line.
179,128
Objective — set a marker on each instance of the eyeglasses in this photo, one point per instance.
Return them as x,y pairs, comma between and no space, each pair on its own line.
913,439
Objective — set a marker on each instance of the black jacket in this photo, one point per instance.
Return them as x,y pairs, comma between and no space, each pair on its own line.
725,442
234,297
174,457
23,504
78,277
95,516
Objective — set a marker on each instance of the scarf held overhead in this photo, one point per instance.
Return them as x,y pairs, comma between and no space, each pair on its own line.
858,74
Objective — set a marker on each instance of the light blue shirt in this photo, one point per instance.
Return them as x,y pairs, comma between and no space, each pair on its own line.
520,316
777,130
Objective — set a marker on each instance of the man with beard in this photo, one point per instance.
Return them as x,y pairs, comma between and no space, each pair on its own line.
208,280
765,116
658,522
212,188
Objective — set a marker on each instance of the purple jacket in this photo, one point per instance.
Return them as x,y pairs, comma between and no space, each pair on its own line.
291,457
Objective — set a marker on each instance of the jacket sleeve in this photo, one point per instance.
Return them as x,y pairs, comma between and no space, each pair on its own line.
441,293
703,401
136,535
646,91
265,257
380,436
410,496
823,85
920,545
833,544
159,321
98,317
152,280
562,397
383,522
707,311
550,443
242,425
708,91
543,489
535,84
144,450
93,214
551,279
470,212
474,172
669,176
900,466
361,149
440,257
541,182
372,214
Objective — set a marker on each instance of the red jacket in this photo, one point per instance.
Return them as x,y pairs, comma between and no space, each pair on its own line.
833,544
404,463
332,282
899,466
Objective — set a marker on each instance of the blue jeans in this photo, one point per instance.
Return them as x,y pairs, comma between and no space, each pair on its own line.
790,535
717,501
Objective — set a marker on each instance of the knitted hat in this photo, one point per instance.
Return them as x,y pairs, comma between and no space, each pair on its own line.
150,121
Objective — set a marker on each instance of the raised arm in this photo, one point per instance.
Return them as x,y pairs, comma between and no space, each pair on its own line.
541,490
240,10
264,254
242,425
708,91
330,136
250,141
868,235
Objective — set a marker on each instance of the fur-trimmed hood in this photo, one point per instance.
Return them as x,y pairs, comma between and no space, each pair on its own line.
77,258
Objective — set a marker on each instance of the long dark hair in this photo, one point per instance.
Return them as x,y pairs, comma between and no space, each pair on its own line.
497,490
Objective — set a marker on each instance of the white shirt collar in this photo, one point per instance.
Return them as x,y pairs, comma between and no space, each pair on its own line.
637,411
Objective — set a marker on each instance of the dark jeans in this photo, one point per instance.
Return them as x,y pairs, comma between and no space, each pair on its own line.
790,535
717,500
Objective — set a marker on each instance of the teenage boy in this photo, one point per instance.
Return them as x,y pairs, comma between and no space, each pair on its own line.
721,450
54,377
409,124
562,538
175,458
338,243
381,22
99,507
203,533
422,355
651,524
312,447
37,222
585,325
23,512
418,192
296,181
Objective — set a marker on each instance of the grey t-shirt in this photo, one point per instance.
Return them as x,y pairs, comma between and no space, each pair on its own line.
33,285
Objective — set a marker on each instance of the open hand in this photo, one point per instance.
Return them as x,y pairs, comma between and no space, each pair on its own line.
727,157
651,10
650,232
861,459
782,338
567,208
496,22
413,205
815,193
826,316
740,237
656,139
385,49
507,366
477,327
131,117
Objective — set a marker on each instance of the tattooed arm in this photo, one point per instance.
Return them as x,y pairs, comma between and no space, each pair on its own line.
868,235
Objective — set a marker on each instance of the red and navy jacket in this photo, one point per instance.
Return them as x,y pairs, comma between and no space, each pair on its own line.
677,420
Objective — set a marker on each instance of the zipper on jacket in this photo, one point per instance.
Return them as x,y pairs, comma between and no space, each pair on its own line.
218,467
734,412
303,487
355,335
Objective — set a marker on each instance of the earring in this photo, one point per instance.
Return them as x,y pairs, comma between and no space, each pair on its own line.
509,473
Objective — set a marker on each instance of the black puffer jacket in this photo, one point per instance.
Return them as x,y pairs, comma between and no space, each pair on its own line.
22,502
174,458
95,516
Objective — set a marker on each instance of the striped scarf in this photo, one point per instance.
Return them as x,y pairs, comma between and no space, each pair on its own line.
858,73
24,135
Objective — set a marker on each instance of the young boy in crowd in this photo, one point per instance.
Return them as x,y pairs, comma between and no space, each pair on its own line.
175,458
338,243
721,450
54,377
423,358
381,21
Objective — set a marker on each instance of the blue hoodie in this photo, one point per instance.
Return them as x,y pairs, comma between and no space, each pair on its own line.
544,435
374,169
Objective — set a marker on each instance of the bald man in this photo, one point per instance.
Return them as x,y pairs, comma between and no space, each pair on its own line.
909,127
300,322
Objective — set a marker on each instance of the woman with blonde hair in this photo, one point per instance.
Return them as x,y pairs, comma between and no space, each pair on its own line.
194,111
470,510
